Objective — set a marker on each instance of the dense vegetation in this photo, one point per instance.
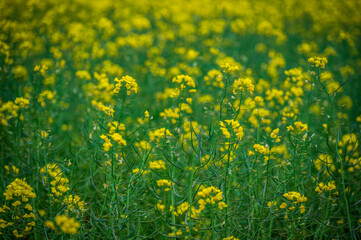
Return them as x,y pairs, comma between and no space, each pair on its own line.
180,119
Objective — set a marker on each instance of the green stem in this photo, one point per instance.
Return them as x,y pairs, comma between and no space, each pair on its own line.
47,179
227,185
338,154
190,201
173,197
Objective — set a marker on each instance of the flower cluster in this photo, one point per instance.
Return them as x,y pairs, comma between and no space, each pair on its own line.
170,113
184,81
10,109
142,172
44,134
318,61
211,195
108,110
12,169
107,145
325,187
59,184
324,162
264,150
73,202
17,195
275,136
235,126
22,102
115,136
60,187
230,238
158,134
42,69
159,165
67,224
46,95
83,74
215,78
297,198
164,183
130,84
302,127
243,83
228,68
19,189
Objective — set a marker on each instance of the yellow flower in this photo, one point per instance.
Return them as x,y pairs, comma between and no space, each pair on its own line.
17,235
163,182
130,84
19,188
157,165
44,134
243,83
159,134
184,81
227,68
302,209
49,224
107,145
318,61
301,126
118,139
67,224
283,205
328,187
16,203
146,114
230,238
237,129
22,102
83,74
222,205
272,203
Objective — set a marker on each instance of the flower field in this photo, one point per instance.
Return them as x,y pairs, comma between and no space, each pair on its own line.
180,119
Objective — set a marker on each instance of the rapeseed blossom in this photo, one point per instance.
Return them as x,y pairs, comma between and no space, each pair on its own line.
180,119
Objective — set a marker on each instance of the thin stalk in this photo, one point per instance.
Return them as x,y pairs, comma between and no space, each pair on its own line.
337,153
